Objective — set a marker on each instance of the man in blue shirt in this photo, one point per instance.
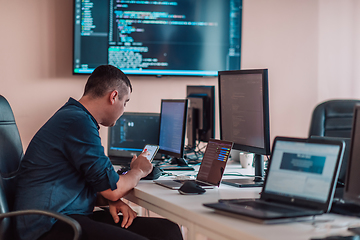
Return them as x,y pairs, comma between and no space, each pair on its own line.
66,170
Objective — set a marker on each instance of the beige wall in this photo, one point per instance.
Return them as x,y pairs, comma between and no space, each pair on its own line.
311,48
339,45
282,36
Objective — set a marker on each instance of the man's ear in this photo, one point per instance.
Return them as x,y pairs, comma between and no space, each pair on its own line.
113,95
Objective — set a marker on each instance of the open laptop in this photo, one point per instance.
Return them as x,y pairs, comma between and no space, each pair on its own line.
343,166
300,181
130,134
211,169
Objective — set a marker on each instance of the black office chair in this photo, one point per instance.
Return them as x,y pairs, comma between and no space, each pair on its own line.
333,118
11,153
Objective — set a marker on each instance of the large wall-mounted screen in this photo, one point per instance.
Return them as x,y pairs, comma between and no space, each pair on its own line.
183,37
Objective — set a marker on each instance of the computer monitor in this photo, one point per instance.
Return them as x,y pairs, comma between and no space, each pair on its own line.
352,187
178,38
244,114
348,202
173,116
132,131
201,114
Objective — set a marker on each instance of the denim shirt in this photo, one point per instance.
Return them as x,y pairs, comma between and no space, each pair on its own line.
62,170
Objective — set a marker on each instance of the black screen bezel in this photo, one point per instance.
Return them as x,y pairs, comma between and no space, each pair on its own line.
170,153
171,72
303,202
208,92
124,157
353,196
266,119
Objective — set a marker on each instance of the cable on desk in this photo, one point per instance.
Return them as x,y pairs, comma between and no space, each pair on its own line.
197,151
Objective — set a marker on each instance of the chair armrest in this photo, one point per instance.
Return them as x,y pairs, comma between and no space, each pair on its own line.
73,223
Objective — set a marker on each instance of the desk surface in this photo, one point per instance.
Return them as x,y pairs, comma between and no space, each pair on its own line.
187,210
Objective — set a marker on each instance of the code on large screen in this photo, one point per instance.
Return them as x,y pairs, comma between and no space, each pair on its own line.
184,37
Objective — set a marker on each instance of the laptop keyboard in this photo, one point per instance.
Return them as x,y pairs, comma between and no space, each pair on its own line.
266,206
181,181
197,182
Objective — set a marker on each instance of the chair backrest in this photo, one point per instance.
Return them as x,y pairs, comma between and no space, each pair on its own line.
11,153
333,118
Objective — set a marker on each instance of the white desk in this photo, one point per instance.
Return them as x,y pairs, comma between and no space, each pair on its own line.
187,210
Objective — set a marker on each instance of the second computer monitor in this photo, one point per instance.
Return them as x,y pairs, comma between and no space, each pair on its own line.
173,116
352,187
244,110
244,113
201,114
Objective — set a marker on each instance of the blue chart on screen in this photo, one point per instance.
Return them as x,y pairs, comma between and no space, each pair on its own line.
303,163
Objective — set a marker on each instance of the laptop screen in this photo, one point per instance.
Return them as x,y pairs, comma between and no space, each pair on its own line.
308,168
130,134
214,161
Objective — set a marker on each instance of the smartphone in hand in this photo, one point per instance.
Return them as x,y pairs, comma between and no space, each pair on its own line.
152,149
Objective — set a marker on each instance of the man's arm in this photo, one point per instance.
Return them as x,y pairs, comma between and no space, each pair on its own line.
140,167
101,201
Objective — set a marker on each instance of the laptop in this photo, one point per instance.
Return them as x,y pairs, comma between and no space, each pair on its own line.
130,134
343,166
211,169
300,182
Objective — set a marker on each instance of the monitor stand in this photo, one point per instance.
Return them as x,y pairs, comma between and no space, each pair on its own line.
178,161
177,164
257,181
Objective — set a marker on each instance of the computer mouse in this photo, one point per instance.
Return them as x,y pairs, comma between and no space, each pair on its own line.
191,187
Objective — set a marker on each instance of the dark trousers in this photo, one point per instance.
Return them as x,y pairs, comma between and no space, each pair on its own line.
100,225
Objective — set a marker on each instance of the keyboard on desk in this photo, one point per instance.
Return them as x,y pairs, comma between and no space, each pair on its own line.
261,205
176,168
261,209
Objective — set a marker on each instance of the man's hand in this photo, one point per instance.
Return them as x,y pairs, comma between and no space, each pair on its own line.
141,163
140,167
127,212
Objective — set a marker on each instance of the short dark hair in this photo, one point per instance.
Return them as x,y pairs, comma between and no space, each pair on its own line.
107,78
